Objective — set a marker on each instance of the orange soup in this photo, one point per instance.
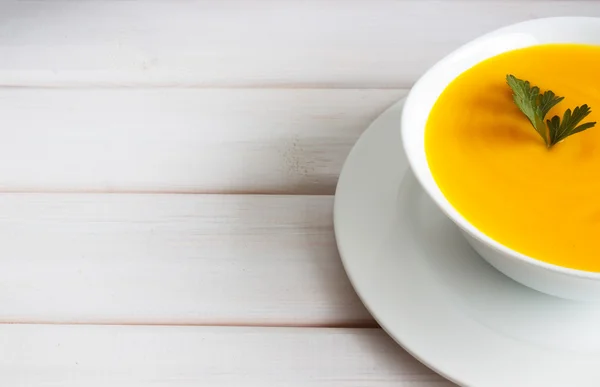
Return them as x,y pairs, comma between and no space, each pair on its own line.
495,169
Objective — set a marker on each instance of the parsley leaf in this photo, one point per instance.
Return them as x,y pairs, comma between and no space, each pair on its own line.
559,130
536,106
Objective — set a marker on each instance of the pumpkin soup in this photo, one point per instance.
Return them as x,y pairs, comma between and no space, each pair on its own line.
496,170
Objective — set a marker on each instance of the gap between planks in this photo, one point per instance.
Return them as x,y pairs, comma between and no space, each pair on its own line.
349,325
207,86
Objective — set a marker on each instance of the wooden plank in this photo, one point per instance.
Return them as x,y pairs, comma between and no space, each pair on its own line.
181,140
380,43
173,259
90,355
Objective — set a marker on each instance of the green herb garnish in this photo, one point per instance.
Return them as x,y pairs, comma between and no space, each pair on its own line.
535,106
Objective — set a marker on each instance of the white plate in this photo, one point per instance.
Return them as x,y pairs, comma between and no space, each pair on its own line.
435,296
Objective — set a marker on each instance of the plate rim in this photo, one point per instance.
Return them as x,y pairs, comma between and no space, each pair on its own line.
398,105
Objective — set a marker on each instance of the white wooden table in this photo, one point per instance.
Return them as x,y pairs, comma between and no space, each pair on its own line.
167,171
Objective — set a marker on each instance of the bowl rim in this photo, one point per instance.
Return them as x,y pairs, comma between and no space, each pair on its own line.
413,98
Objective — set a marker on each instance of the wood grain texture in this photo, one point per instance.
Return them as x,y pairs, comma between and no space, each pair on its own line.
36,355
181,140
331,43
173,259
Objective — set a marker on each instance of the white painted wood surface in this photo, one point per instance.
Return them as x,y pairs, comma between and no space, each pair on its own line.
181,140
325,43
54,355
173,259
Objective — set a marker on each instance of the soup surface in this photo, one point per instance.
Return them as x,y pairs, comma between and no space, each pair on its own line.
495,169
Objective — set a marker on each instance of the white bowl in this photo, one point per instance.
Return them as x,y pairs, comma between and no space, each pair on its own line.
547,278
